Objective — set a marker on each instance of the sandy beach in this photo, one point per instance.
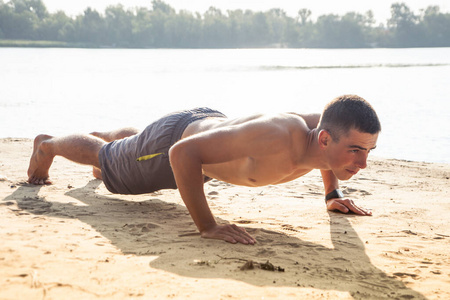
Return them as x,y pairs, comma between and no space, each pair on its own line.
75,240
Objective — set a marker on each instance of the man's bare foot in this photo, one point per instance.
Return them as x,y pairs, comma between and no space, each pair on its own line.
40,161
97,173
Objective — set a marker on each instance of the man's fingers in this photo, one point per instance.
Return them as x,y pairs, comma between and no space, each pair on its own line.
231,234
347,205
355,208
362,212
358,210
341,207
241,235
230,239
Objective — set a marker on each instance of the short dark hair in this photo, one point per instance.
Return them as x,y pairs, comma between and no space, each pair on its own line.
349,112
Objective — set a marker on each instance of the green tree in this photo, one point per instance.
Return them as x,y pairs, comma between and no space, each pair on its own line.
355,29
118,26
5,16
35,7
303,16
161,6
436,27
90,28
159,17
278,23
260,29
52,27
216,32
405,30
184,30
142,28
68,32
348,31
306,30
327,32
21,18
237,27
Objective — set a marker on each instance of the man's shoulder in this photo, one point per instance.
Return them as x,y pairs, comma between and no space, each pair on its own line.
275,123
287,126
280,118
291,121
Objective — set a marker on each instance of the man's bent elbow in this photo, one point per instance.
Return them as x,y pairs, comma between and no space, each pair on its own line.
180,153
174,154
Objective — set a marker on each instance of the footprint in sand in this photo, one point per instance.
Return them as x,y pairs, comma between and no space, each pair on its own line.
289,227
139,229
404,275
244,222
266,253
349,190
263,240
213,195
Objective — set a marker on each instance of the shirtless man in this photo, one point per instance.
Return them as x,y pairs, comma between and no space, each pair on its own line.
184,149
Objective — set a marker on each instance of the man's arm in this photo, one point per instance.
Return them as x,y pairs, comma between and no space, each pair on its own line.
187,168
343,205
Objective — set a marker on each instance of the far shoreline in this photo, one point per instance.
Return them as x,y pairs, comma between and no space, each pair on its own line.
59,44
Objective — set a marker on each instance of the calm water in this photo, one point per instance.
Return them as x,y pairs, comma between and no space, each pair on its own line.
61,91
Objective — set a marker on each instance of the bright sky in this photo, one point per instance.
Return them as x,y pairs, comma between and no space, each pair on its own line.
380,8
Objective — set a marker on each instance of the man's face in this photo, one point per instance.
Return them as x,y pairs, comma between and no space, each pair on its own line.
349,155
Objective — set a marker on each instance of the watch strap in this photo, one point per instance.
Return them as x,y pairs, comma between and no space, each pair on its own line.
337,193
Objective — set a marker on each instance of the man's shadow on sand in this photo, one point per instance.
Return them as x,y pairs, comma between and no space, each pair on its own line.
162,229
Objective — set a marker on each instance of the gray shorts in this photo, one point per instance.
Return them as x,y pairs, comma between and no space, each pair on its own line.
140,164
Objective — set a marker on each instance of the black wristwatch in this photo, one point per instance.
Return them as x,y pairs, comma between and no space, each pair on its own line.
337,193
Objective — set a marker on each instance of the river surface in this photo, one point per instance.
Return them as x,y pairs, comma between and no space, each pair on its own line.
62,91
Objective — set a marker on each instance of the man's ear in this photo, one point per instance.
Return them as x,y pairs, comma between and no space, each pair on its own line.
324,139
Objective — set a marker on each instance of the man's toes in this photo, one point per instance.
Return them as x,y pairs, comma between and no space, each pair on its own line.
38,181
44,181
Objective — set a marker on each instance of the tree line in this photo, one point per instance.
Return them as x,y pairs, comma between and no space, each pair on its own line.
160,26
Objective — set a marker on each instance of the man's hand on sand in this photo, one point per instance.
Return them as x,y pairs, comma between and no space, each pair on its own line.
346,206
229,233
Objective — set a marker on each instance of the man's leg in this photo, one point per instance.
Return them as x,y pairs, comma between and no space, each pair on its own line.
109,136
81,149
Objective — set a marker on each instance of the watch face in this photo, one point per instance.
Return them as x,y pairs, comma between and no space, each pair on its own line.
340,194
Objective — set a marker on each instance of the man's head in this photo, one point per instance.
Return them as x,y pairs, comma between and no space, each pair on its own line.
348,131
349,112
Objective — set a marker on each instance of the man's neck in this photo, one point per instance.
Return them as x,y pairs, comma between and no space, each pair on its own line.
314,156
